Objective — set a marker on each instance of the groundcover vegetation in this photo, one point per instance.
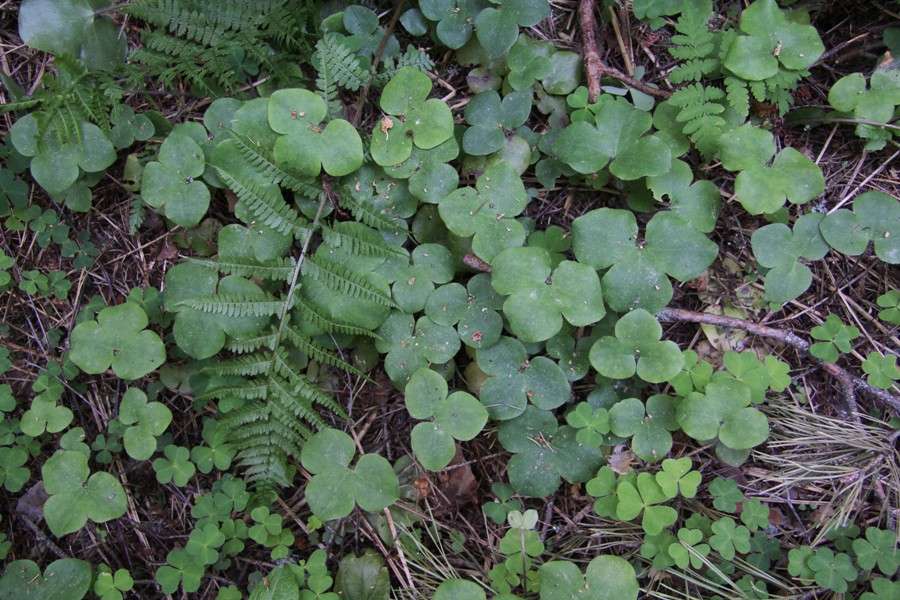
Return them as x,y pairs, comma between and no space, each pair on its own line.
449,299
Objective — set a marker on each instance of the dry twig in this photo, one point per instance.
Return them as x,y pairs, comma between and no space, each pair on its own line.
594,66
848,382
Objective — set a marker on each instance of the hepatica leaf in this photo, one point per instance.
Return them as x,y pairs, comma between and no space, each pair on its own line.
75,497
544,453
779,248
491,119
459,416
515,380
615,136
410,118
498,28
173,184
411,344
724,412
539,298
473,309
798,45
637,348
307,147
875,217
117,338
486,212
606,238
335,488
63,579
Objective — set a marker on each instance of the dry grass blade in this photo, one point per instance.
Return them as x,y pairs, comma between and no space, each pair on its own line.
833,464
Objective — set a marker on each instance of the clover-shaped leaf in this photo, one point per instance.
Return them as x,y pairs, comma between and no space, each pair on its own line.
204,542
592,424
45,415
491,119
606,239
148,420
117,338
411,118
75,497
831,570
873,107
878,548
307,148
13,474
454,19
515,380
181,568
109,585
617,136
835,336
607,578
473,309
875,217
335,488
539,298
729,538
637,348
63,579
176,466
779,249
217,453
644,496
724,411
498,28
128,126
881,371
173,183
459,416
651,439
544,453
529,61
411,344
890,302
413,283
689,550
486,211
676,476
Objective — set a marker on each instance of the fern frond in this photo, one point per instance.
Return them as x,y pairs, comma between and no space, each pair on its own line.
267,205
336,66
279,269
303,394
244,366
412,57
320,353
358,239
694,44
344,281
237,306
699,110
262,162
368,214
247,389
737,94
306,312
248,345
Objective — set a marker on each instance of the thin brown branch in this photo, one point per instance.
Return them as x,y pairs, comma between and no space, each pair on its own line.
594,66
592,62
848,381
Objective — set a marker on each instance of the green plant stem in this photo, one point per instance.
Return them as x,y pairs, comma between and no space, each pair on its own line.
885,398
